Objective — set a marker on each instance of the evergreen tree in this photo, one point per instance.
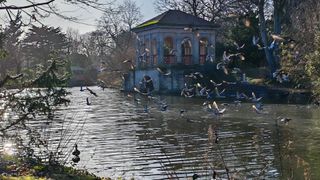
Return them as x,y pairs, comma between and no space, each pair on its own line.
41,42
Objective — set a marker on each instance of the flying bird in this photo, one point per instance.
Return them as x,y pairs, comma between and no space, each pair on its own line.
277,37
236,71
218,94
257,109
163,107
91,92
138,91
127,61
102,84
222,66
172,52
88,103
272,45
216,109
237,45
209,58
255,40
198,74
254,98
215,84
164,71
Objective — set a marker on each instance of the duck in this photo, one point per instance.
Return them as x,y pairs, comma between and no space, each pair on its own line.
76,152
284,120
182,112
76,159
195,176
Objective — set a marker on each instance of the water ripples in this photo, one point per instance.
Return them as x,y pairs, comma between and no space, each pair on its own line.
117,138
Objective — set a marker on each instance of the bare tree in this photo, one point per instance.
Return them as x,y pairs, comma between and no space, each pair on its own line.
74,41
211,10
194,7
115,26
36,10
130,13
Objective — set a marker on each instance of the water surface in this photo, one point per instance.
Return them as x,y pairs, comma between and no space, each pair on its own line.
117,137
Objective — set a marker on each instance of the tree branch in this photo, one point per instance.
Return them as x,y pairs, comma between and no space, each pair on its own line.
27,6
2,82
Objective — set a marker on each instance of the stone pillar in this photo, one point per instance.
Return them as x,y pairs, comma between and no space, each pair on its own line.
195,49
160,48
178,49
137,50
213,43
151,50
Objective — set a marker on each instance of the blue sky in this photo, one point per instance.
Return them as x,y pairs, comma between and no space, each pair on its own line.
89,16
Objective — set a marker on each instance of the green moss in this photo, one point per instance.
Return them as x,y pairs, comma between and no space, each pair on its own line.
148,23
31,170
39,168
21,178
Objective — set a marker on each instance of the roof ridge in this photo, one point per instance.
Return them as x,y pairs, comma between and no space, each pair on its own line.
175,17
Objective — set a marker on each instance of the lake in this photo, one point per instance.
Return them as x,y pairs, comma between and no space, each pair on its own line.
122,136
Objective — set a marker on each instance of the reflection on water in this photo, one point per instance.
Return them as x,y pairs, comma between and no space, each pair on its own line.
117,137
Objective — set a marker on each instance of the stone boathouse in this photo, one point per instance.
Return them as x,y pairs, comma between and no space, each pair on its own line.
176,41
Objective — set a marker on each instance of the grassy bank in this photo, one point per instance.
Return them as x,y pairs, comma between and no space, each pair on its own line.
14,169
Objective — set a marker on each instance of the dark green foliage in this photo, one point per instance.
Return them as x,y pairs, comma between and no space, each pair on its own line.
3,53
40,42
313,66
241,32
292,64
12,43
80,60
37,99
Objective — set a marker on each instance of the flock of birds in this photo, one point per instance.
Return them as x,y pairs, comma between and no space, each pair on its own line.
227,58
213,90
100,83
210,89
208,94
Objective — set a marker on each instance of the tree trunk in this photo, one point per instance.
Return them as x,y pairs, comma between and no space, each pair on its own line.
277,14
264,37
277,19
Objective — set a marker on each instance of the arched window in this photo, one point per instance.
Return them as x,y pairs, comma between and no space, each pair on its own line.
169,57
154,52
147,53
186,47
203,51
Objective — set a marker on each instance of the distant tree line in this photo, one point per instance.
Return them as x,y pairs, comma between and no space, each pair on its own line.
113,42
297,22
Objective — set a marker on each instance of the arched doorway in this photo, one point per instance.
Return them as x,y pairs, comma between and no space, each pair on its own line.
169,57
154,52
186,47
203,50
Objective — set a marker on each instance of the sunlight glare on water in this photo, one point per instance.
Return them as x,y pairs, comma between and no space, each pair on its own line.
9,149
117,138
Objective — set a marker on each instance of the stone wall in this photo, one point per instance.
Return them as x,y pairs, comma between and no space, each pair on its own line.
172,83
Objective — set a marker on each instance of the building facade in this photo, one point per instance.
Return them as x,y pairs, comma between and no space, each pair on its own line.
176,41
